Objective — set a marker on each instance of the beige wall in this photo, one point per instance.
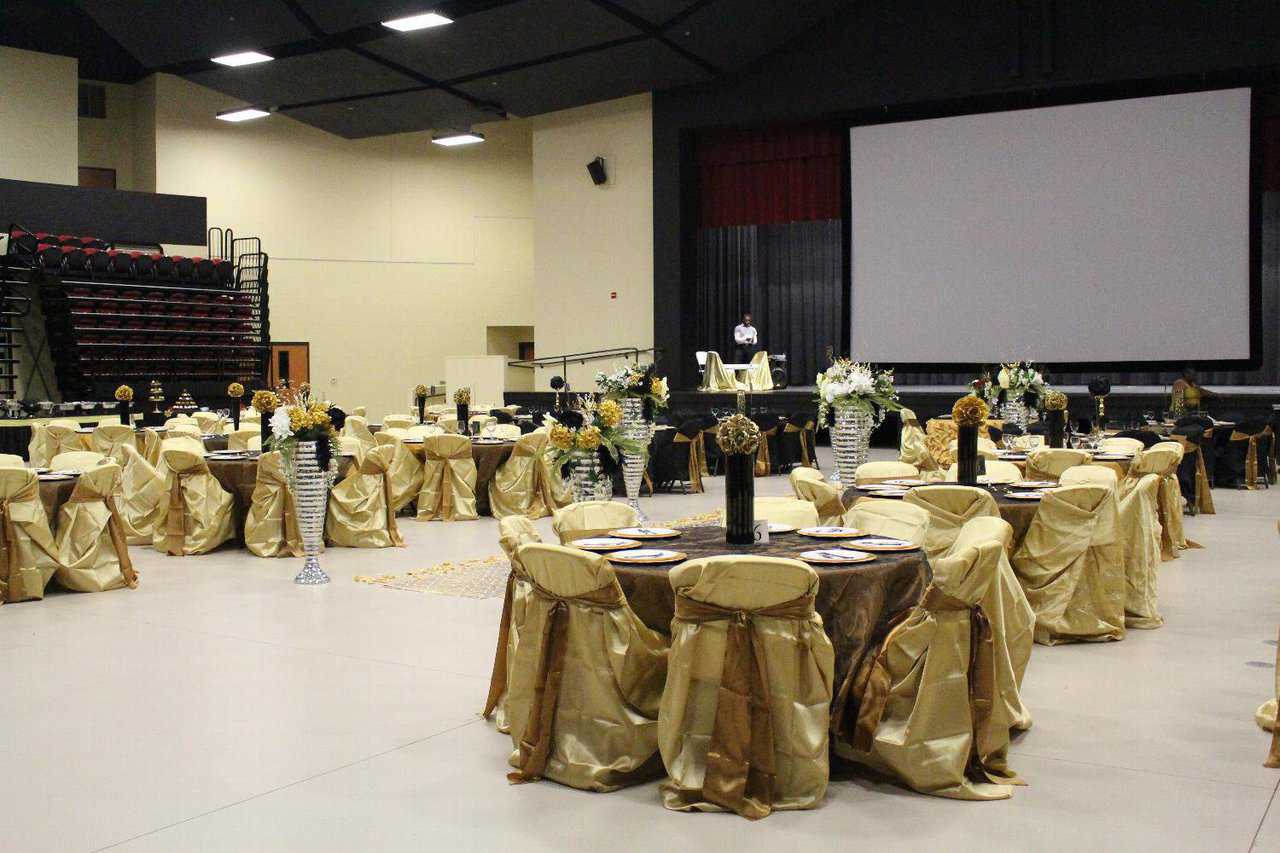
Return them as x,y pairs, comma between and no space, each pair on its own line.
387,254
38,106
591,241
505,341
107,143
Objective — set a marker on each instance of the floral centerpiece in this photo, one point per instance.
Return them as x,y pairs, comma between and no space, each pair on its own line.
420,400
636,381
1055,416
462,401
302,431
235,391
300,417
859,396
265,403
638,392
587,444
124,396
1022,384
985,388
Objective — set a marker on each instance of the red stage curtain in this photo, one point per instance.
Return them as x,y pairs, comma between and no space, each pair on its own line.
770,175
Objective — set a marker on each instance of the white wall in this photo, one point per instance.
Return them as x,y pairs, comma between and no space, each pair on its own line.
387,254
38,126
107,143
591,241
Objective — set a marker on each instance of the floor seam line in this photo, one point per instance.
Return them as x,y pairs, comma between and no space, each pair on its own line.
1254,841
1040,757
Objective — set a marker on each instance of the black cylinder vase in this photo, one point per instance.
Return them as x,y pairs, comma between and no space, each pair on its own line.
124,413
422,408
235,412
464,419
967,455
1055,423
739,498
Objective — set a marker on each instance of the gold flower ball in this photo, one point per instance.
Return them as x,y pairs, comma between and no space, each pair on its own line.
265,401
124,394
1055,401
235,389
462,397
420,391
561,438
738,434
610,413
969,411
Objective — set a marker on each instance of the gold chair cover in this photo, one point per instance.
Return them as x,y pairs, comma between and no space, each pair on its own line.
210,423
29,552
38,446
200,513
807,450
1048,463
716,377
949,508
92,550
1251,458
514,531
352,447
449,480
986,449
586,678
885,517
177,420
793,511
271,527
522,485
1266,717
929,714
758,376
591,518
62,437
423,430
1087,475
878,472
12,460
110,439
355,426
192,430
1138,535
448,425
239,439
406,473
911,443
698,459
764,464
1204,494
940,432
148,442
1120,444
361,411
809,485
1070,567
747,705
1164,459
361,508
143,499
506,432
76,460
397,421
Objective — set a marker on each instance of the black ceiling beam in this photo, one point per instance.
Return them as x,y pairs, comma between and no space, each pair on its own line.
689,11
656,31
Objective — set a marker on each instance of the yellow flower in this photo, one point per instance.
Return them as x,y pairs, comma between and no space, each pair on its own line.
124,394
235,389
969,411
462,397
610,413
561,438
265,401
1055,401
420,391
658,387
588,438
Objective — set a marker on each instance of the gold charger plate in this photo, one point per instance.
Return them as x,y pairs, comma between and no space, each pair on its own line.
603,543
829,532
645,533
1025,496
836,557
665,557
885,547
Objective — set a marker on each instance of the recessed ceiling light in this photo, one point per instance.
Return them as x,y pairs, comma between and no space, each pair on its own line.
249,57
243,114
458,139
418,22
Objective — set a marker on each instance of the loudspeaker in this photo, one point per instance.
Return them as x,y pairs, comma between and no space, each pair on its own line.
779,378
596,170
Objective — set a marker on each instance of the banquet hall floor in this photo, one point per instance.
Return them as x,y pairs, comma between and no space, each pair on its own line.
219,707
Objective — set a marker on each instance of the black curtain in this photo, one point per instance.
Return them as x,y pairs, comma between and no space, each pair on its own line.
788,275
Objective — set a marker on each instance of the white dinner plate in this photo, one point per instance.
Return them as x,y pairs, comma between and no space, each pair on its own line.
1112,457
647,555
777,527
1033,495
1013,457
829,532
907,483
884,543
836,556
603,543
1034,484
55,476
646,532
890,493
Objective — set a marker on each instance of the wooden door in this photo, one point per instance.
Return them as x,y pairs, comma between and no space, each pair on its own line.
291,361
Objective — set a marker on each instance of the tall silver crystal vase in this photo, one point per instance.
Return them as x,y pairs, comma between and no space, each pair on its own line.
587,481
850,437
310,498
1015,412
635,428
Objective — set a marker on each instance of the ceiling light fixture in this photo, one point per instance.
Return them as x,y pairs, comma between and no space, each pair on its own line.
243,114
418,22
452,139
248,57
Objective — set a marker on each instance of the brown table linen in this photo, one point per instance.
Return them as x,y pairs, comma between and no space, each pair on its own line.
1017,512
489,458
856,602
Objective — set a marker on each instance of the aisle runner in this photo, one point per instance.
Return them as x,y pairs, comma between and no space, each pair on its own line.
486,577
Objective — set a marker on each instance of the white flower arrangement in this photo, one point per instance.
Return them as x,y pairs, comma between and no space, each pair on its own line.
1020,379
635,380
854,385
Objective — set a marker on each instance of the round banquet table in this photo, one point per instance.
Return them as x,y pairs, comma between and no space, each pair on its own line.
488,457
1013,510
856,601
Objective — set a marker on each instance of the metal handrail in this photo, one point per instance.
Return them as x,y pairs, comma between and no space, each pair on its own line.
584,357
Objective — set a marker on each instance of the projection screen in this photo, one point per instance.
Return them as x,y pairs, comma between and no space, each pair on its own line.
1114,231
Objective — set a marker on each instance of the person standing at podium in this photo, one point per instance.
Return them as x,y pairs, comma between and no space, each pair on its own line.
746,340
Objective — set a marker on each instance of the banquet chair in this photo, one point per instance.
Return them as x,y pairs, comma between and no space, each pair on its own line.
240,439
885,517
1246,456
148,443
398,421
1118,444
767,451
522,486
271,526
61,437
1193,473
448,425
1070,567
93,553
361,511
1165,458
110,439
12,460
952,514
181,419
357,427
747,703
1023,442
586,679
349,446
359,411
796,444
143,500
210,423
792,511
479,423
200,513
406,472
717,378
987,448
424,430
38,447
929,714
809,485
1048,463
911,443
997,471
448,491
76,460
1088,475
585,519
514,531
758,376
390,435
689,455
878,472
184,428
506,432
30,554
1138,536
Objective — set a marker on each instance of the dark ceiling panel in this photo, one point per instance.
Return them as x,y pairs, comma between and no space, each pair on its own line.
729,37
655,11
167,32
23,24
331,74
335,16
429,110
599,76
503,36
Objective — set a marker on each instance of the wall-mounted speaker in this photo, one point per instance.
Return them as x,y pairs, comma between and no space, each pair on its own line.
596,169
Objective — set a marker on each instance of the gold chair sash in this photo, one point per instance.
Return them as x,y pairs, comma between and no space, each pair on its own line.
1251,455
1204,494
740,774
804,444
498,678
84,493
763,463
272,477
175,524
535,744
696,460
373,467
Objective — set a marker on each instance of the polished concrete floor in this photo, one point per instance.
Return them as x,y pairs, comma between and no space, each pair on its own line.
219,707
